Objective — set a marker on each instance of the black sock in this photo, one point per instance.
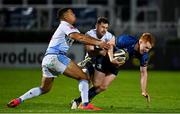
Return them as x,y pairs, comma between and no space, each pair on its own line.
92,93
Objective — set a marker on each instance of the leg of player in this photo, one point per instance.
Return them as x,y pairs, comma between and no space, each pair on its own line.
74,71
101,82
106,83
97,80
46,86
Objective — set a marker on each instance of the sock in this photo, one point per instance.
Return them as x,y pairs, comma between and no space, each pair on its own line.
31,93
83,88
92,93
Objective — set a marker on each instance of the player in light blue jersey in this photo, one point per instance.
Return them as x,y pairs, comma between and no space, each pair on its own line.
135,47
56,62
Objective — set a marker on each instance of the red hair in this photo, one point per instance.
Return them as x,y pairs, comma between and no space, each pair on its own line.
148,37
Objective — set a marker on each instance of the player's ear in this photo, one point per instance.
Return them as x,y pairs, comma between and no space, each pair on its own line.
140,41
65,16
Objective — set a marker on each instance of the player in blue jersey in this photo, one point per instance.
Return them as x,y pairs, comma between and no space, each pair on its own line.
138,48
56,62
104,65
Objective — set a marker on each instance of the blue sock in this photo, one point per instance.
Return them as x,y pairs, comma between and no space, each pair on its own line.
85,104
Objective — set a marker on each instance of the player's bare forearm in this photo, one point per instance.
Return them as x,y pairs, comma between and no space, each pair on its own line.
89,40
110,53
85,39
143,81
144,76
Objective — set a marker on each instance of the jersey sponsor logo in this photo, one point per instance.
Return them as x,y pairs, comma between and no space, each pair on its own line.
69,41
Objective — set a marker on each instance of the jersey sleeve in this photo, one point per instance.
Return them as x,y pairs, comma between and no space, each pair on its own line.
144,60
67,29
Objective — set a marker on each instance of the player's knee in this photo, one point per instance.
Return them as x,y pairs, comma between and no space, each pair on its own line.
45,90
103,87
96,84
83,78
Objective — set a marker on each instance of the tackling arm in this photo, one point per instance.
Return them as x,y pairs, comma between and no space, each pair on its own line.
94,52
89,40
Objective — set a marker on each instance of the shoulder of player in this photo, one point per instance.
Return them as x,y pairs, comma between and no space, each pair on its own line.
64,24
109,35
126,36
90,32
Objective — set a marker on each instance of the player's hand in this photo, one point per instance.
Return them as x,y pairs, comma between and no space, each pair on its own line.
147,96
103,52
104,45
117,62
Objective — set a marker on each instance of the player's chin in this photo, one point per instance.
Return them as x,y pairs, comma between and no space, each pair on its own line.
103,33
141,52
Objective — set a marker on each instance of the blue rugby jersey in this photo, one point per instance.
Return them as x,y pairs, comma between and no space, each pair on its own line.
128,42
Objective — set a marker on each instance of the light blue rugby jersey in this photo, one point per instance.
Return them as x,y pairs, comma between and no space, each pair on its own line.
60,43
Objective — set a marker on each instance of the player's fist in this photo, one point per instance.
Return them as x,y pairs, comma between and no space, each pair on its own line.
104,45
147,96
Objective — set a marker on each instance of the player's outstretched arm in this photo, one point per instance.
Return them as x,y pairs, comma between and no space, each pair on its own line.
89,40
111,54
143,81
114,60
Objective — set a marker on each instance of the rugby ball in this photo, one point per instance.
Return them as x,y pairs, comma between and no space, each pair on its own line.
121,55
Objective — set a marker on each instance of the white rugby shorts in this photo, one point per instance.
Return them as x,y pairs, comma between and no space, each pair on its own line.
53,64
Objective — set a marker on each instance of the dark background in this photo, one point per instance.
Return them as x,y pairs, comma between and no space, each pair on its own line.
34,21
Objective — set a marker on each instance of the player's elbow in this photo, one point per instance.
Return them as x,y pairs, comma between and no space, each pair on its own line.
45,90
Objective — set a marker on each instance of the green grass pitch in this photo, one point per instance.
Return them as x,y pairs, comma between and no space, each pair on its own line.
123,96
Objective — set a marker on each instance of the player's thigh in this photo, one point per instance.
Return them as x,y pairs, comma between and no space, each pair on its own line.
98,78
108,80
53,65
74,71
46,83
